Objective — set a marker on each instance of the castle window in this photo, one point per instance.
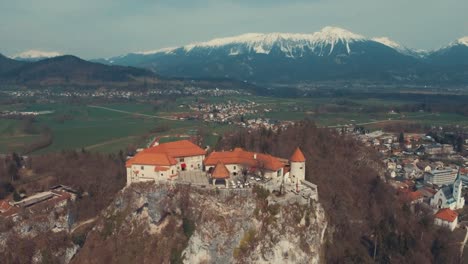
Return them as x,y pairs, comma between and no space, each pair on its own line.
162,174
172,171
142,167
300,168
235,167
181,159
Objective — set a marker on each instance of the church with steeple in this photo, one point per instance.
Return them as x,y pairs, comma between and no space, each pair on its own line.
449,196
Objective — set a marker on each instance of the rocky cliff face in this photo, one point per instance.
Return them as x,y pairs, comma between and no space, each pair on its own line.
38,235
161,224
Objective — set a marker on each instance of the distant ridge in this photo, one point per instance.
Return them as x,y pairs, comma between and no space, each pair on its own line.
67,69
7,64
35,55
327,55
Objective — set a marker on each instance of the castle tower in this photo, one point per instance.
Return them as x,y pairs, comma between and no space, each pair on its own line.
297,172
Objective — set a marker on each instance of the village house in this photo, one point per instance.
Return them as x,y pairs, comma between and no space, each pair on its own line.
411,171
4,206
410,197
164,161
446,218
437,149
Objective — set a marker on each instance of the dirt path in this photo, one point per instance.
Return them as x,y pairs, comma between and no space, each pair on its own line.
132,113
83,223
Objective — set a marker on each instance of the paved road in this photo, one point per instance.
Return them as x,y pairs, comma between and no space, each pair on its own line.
132,113
382,121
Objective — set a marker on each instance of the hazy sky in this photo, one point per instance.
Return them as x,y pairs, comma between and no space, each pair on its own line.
103,28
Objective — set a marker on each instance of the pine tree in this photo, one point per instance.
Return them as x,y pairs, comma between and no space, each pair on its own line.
401,138
16,196
459,144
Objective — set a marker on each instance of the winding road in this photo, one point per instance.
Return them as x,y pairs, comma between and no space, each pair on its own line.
132,113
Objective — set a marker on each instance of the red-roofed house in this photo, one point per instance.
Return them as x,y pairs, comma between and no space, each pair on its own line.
238,160
408,196
4,206
447,218
163,162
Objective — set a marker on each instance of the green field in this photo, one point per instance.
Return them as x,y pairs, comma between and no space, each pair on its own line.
85,127
103,130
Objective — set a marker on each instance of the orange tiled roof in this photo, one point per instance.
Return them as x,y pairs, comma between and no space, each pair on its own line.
145,158
4,205
409,196
464,171
220,171
181,148
297,156
446,214
243,157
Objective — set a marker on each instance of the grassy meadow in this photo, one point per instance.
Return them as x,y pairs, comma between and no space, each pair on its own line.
79,126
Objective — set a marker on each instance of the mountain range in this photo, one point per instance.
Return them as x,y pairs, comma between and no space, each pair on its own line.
330,54
70,72
67,70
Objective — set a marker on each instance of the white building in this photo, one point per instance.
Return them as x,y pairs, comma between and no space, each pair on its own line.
163,162
297,173
449,196
440,177
446,218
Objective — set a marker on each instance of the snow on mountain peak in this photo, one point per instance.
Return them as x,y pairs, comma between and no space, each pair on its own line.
250,39
463,41
291,44
36,54
149,52
388,42
334,34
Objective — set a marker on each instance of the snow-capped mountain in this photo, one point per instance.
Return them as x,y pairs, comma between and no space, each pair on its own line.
456,53
290,44
35,55
329,54
399,47
461,41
